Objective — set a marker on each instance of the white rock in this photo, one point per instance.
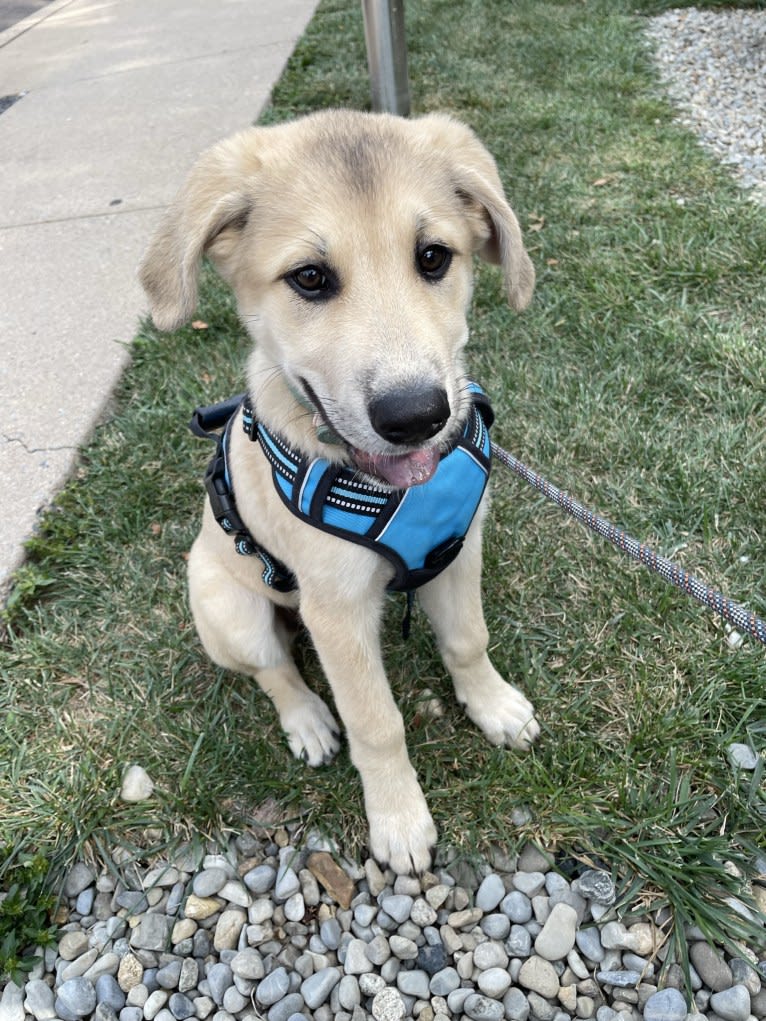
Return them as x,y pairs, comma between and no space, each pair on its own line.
388,1005
557,937
12,1003
136,785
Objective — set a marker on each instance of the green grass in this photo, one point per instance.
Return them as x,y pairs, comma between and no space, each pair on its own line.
637,381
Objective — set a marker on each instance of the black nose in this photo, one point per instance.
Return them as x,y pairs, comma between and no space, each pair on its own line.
409,415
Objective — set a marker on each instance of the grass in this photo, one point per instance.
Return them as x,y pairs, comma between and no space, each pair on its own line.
637,381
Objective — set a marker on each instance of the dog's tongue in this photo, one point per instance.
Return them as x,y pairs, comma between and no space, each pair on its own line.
399,470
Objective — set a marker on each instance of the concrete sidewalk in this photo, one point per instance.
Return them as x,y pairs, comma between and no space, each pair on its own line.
118,97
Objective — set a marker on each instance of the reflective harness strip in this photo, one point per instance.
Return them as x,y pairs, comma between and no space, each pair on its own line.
419,530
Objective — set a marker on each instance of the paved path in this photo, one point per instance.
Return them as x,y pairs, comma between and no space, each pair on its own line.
117,98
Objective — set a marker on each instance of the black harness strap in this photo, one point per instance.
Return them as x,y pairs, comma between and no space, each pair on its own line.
220,491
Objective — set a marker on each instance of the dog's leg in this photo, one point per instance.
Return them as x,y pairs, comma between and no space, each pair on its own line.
453,604
346,634
240,632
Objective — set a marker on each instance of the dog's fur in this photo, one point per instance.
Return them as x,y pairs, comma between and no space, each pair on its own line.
357,197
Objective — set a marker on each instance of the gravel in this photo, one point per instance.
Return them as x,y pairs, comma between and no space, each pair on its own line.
212,937
713,63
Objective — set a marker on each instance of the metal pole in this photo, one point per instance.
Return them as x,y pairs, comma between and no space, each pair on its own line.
387,55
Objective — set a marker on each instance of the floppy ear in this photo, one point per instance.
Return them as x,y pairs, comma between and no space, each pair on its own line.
212,200
477,182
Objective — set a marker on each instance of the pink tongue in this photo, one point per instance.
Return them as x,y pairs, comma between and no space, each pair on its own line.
399,470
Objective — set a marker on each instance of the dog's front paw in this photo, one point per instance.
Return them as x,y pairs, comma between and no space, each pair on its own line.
311,731
404,837
501,711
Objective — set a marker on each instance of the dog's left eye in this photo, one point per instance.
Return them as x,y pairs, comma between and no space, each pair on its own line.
311,282
433,261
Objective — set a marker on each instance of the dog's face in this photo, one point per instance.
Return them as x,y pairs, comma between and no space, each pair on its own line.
348,241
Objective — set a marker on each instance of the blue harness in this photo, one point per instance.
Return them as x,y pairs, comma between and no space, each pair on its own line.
419,530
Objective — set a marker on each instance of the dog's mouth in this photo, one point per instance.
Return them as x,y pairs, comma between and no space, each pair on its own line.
399,470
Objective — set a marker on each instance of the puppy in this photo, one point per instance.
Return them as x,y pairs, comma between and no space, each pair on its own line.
347,239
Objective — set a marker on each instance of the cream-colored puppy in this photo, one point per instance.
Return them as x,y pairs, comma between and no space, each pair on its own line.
347,239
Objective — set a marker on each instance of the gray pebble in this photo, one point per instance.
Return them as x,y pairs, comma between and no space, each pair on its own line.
516,1005
167,977
377,950
75,999
490,893
732,1004
260,879
316,989
596,885
356,961
494,982
398,906
414,983
84,902
589,943
444,982
517,906
330,933
665,1005
131,1014
181,1007
273,987
482,1008
364,914
79,877
287,883
746,975
490,955
349,994
219,979
290,1006
108,991
403,948
540,976
189,975
519,942
529,883
422,914
104,1012
73,944
622,979
557,936
431,958
208,882
295,907
152,933
154,1003
496,926
234,1001
710,966
248,964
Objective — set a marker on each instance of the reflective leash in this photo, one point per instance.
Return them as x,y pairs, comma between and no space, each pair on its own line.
736,614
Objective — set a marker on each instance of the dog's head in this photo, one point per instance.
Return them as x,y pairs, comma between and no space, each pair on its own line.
347,239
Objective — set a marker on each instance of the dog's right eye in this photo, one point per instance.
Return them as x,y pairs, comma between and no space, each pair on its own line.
311,282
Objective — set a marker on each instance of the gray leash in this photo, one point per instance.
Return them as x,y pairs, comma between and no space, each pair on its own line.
736,614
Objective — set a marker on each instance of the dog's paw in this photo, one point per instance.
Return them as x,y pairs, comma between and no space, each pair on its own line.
403,839
501,711
311,731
